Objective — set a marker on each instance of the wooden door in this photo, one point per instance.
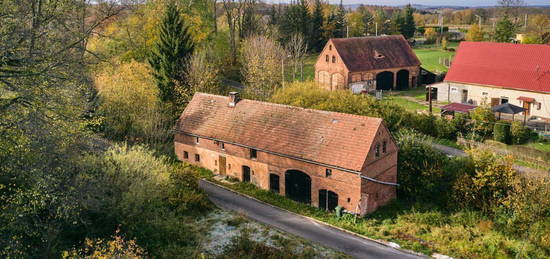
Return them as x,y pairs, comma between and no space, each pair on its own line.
222,165
246,173
495,102
527,107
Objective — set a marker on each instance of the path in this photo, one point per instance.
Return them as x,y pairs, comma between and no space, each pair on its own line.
300,226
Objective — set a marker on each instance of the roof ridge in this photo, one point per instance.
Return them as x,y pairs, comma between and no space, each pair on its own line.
295,107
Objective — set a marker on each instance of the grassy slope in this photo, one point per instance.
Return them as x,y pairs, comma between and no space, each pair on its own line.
430,58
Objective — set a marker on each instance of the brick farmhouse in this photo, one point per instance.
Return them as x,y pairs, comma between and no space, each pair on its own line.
496,73
317,157
367,63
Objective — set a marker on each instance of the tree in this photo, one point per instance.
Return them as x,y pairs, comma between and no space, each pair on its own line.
261,66
368,20
248,23
356,24
340,29
430,35
296,20
505,30
203,73
317,41
170,54
409,27
296,48
397,23
381,21
474,33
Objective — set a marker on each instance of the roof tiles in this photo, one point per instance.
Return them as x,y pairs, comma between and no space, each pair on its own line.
332,138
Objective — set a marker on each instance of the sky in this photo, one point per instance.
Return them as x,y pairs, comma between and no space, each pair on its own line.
436,2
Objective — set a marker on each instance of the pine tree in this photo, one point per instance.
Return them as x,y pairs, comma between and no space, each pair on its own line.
397,22
317,41
409,27
504,30
170,53
296,20
340,19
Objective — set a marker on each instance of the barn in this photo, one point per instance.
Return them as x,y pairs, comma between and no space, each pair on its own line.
368,63
322,158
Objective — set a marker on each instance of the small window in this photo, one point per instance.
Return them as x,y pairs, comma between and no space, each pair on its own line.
197,140
539,105
216,162
185,155
333,59
329,47
229,166
485,93
253,153
384,146
349,200
503,100
454,89
197,158
328,172
222,145
326,58
377,150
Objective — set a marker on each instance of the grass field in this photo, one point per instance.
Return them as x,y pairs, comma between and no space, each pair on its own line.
430,58
409,105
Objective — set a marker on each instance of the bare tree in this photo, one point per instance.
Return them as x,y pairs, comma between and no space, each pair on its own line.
511,7
296,48
233,12
261,66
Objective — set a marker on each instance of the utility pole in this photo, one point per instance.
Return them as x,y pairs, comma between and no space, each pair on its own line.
430,97
283,71
376,25
478,21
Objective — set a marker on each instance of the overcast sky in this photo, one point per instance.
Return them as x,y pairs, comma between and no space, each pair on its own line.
433,2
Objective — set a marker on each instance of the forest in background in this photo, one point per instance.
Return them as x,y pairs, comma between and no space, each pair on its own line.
90,91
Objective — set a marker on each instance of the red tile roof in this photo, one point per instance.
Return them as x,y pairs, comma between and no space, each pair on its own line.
359,53
332,138
458,107
506,65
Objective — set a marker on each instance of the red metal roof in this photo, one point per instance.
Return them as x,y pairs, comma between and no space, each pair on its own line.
458,107
380,52
506,65
332,138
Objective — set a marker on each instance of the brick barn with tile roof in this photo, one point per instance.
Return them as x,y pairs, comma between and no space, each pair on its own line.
367,63
317,157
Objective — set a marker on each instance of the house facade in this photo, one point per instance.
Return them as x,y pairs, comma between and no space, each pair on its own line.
321,158
496,73
367,63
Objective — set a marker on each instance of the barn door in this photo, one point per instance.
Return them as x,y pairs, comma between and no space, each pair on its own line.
222,165
246,174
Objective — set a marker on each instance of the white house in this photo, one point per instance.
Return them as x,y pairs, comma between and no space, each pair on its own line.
496,73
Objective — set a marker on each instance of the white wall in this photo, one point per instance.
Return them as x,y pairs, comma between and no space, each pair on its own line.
452,92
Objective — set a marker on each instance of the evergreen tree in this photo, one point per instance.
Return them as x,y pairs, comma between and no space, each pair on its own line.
170,53
504,30
368,19
381,20
340,22
409,27
397,22
317,40
296,20
249,24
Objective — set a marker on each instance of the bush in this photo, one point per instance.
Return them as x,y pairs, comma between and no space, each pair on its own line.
519,133
483,120
501,132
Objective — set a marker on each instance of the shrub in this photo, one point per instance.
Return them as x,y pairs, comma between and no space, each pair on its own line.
487,185
483,119
519,133
501,132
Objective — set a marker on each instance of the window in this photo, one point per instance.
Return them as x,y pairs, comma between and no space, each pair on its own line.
333,59
539,106
253,153
454,89
349,200
485,93
197,158
503,100
377,150
329,47
328,172
326,58
229,166
384,147
222,145
185,155
197,140
216,162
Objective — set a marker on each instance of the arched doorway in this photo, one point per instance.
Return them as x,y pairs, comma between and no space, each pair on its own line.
324,78
246,174
384,81
327,200
298,186
337,81
403,79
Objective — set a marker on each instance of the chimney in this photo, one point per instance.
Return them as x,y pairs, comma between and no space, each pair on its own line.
233,98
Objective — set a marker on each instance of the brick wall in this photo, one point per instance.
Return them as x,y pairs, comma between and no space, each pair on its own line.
349,186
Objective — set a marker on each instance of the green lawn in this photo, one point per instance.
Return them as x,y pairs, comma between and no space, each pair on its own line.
430,58
308,67
544,147
418,93
410,105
